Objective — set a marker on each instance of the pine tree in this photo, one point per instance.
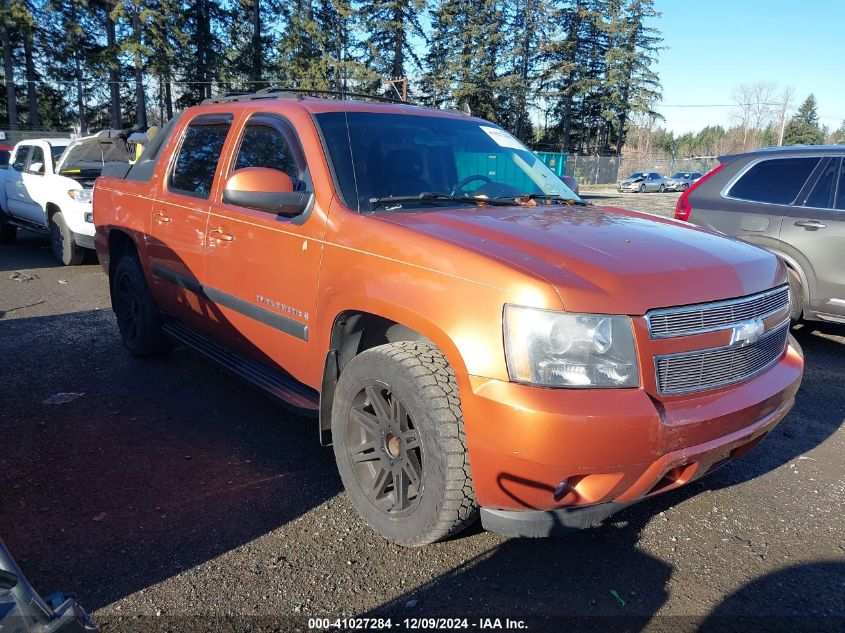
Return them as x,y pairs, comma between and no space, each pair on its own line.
391,25
168,43
8,28
629,83
201,67
71,38
803,128
467,48
252,44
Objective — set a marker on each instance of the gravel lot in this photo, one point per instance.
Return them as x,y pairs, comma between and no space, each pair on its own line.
171,497
657,203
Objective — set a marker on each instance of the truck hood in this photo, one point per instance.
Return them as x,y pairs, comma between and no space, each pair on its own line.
606,260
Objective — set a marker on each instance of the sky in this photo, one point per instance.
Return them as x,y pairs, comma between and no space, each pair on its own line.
713,46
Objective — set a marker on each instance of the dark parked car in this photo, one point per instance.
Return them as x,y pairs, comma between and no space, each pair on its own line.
790,200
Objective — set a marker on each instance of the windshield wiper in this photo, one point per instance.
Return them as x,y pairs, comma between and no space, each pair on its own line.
541,196
391,203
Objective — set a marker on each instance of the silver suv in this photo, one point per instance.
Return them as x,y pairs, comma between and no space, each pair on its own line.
790,200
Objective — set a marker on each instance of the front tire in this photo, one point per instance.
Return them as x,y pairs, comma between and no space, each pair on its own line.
61,241
642,188
796,296
137,315
662,188
400,446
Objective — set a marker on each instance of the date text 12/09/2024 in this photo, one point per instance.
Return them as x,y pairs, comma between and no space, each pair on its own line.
414,624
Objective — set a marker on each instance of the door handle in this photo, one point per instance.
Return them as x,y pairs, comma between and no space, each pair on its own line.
161,218
811,225
220,234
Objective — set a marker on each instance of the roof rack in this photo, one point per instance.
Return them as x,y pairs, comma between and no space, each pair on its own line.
273,92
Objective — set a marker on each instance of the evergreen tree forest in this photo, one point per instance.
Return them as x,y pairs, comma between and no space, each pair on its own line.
559,74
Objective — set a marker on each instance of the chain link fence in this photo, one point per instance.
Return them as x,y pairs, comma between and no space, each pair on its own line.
606,170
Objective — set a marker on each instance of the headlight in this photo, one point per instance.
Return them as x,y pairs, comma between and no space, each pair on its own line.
561,349
81,195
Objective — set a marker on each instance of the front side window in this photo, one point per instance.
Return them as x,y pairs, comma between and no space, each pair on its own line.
774,181
36,162
821,196
20,157
57,151
376,155
195,165
269,142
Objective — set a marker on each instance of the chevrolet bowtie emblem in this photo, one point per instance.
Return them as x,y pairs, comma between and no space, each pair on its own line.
747,332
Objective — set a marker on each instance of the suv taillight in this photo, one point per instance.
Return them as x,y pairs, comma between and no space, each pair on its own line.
682,207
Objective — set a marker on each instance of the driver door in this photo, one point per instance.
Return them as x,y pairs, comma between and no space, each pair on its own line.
262,268
32,187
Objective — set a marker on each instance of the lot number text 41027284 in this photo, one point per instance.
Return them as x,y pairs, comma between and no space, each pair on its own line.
417,624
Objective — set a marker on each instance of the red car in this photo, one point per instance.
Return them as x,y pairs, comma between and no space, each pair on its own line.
5,154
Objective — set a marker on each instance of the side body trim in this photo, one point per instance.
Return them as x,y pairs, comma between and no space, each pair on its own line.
262,315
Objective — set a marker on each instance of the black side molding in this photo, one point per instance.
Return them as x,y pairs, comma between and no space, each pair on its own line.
262,315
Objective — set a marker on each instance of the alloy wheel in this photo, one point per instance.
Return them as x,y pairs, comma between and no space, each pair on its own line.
385,450
127,307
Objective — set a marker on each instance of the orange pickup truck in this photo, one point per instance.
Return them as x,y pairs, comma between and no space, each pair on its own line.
470,336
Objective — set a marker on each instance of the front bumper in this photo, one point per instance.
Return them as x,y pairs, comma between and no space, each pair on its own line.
539,451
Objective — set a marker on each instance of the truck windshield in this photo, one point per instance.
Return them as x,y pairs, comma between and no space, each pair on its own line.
378,155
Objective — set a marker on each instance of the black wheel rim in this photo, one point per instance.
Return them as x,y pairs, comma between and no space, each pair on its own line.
385,450
127,308
57,241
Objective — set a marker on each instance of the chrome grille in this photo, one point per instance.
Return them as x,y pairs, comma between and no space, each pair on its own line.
720,366
704,317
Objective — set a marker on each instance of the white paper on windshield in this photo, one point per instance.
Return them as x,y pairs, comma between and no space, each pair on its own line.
502,138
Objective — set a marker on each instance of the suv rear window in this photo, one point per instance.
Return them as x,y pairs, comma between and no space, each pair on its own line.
775,181
193,170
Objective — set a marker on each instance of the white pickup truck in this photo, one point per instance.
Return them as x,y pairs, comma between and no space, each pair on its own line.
48,186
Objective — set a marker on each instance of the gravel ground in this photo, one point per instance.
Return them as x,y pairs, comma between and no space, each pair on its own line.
170,497
657,203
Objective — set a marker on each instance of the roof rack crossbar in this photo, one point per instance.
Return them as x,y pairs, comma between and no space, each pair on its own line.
273,92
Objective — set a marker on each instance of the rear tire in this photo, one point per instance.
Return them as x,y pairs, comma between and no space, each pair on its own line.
8,233
137,315
796,296
399,442
61,241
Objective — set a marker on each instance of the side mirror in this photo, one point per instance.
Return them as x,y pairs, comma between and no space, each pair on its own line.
8,580
266,189
36,168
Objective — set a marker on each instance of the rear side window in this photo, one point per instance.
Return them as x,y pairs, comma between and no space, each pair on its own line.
821,196
775,181
840,189
193,170
20,157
